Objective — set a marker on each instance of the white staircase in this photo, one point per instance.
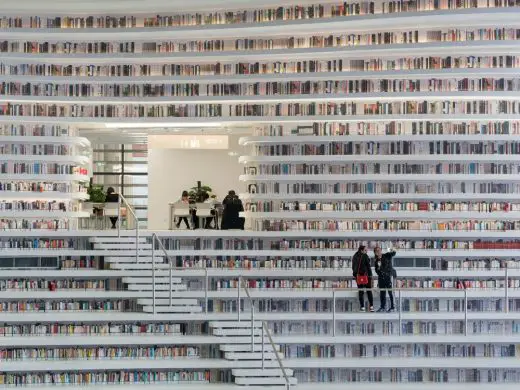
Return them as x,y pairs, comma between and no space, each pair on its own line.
140,275
239,348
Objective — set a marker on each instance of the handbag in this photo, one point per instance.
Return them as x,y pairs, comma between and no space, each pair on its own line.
361,279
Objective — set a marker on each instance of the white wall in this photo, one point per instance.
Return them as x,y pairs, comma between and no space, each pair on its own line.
170,171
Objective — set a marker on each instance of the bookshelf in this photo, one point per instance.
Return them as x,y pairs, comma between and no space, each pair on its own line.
400,133
44,175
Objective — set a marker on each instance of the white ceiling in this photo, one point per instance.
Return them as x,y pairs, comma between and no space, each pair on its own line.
100,7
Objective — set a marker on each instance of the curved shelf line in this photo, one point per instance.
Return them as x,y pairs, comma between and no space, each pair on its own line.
5,195
371,22
230,121
383,178
45,139
378,157
280,77
240,99
310,139
375,196
45,158
347,52
370,215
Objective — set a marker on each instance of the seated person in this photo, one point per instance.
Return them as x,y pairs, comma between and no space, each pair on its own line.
186,200
231,215
210,200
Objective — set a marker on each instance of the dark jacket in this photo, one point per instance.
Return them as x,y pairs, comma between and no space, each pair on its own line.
383,266
361,264
112,198
231,214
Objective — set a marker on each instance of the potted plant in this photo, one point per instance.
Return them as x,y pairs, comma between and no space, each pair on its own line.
96,196
196,193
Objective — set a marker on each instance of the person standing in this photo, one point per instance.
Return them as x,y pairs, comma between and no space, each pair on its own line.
362,273
385,271
112,197
231,215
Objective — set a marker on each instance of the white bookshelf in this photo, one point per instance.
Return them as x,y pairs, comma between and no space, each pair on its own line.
300,277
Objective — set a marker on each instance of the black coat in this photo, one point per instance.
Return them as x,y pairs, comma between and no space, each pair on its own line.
361,264
383,266
231,214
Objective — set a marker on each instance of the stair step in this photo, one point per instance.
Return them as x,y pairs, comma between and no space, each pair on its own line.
275,380
138,266
123,245
161,281
173,309
158,287
249,355
115,240
235,324
131,259
166,301
235,332
258,372
247,347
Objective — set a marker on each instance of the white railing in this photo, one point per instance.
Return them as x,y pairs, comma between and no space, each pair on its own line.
124,203
266,330
171,267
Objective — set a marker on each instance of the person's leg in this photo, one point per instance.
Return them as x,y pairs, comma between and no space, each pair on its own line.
382,299
391,295
361,297
370,299
113,220
186,222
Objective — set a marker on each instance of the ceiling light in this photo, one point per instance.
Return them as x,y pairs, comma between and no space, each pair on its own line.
158,124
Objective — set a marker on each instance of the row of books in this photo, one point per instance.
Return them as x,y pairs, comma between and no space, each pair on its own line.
33,243
343,283
41,186
37,149
11,167
36,130
476,206
59,284
292,225
248,110
277,67
262,15
94,329
399,351
389,147
358,168
458,188
125,377
65,306
40,205
294,42
394,375
99,353
80,262
257,89
40,224
338,263
391,128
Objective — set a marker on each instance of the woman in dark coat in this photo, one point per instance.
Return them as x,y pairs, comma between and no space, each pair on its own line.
231,215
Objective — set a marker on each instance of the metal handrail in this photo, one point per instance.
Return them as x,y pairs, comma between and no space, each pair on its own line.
123,201
155,238
264,329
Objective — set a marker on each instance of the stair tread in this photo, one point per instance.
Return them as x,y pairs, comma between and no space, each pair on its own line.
274,380
258,372
173,309
249,355
141,280
235,324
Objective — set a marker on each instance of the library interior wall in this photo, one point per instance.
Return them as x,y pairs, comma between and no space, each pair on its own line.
170,171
